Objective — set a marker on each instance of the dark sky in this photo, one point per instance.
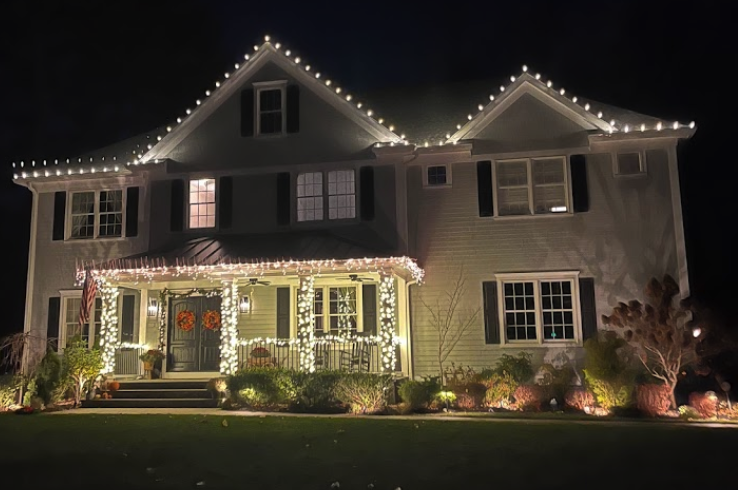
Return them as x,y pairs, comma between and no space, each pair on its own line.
75,75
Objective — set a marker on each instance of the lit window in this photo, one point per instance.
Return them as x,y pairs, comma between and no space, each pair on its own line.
310,196
202,203
539,310
532,186
270,105
629,164
96,215
341,194
437,175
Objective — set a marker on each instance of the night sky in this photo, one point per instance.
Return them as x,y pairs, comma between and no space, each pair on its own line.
75,76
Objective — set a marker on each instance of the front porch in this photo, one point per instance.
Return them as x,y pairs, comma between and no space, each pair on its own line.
214,319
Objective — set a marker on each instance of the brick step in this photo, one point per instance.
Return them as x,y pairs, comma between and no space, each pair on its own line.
162,393
162,385
151,403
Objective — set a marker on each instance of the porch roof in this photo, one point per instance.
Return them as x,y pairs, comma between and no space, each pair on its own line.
289,253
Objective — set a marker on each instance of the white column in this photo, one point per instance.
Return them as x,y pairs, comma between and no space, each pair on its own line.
306,323
403,327
108,326
387,320
229,328
143,315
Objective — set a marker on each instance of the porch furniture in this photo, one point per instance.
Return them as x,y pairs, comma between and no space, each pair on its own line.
261,357
322,356
358,358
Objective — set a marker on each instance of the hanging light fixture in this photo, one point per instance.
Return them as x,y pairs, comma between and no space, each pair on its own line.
153,307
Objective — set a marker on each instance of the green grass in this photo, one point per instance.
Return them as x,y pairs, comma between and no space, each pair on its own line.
162,451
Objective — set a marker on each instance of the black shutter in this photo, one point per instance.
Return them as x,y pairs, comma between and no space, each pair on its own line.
589,307
283,198
132,211
127,318
484,188
225,203
60,211
52,322
283,313
247,112
369,307
366,181
176,218
293,108
491,318
579,188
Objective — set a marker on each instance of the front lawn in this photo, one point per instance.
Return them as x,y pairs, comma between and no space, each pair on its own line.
188,451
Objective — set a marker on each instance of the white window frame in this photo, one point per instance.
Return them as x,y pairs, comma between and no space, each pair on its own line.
325,196
65,297
328,195
326,287
96,235
537,278
216,191
312,197
531,187
616,164
427,167
259,87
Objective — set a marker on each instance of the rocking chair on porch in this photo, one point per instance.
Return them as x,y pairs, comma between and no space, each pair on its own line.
359,358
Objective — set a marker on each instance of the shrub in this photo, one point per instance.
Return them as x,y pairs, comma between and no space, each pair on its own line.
217,386
419,394
608,394
315,392
9,386
500,390
606,370
578,398
260,386
48,377
705,403
519,367
528,397
363,392
653,399
686,412
556,381
80,366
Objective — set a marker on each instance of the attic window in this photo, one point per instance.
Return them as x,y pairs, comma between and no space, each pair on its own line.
270,104
629,164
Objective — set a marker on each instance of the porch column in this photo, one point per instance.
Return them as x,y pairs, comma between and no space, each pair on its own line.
306,323
229,328
108,326
387,320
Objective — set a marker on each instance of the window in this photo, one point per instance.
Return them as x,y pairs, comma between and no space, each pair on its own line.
336,310
532,186
310,196
71,322
341,194
202,203
539,310
96,215
437,175
270,105
629,164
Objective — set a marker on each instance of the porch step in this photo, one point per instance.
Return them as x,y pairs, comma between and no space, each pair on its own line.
162,384
151,403
162,393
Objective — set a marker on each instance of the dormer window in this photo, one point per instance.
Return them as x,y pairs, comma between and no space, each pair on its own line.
270,105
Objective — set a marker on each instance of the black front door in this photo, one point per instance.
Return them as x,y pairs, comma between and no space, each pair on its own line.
192,346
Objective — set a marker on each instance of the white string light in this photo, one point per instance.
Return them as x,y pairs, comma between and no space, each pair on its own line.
108,325
306,323
229,328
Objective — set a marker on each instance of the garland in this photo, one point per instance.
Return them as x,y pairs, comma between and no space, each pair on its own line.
185,320
211,320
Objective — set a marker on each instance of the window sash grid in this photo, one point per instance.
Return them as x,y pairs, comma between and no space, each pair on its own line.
95,227
530,186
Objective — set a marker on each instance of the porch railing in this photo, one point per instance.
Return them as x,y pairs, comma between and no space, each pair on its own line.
127,361
356,355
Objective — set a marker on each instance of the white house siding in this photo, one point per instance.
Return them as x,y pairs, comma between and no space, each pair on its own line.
626,237
262,321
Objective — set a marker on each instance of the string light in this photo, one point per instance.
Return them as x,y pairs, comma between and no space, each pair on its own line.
229,328
387,307
108,325
306,323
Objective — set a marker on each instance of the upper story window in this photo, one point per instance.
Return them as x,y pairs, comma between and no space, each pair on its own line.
96,214
532,186
341,195
631,163
437,176
202,203
270,104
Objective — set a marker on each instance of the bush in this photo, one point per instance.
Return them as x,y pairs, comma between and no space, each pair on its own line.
529,397
706,404
606,370
48,378
363,392
80,366
9,386
556,381
686,412
261,386
316,392
578,398
608,394
519,367
419,394
217,386
653,399
500,390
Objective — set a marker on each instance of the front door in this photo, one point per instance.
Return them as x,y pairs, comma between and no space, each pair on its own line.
192,346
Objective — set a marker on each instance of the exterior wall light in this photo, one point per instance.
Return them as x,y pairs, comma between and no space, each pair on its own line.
245,305
153,308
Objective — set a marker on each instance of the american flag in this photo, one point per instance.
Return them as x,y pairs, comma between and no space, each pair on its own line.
88,298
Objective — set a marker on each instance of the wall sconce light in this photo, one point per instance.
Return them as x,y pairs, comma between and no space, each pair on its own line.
153,307
245,305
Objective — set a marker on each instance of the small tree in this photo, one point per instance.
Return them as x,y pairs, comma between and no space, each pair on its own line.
449,319
81,365
659,330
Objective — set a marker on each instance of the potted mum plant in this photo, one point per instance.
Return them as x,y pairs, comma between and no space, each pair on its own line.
150,358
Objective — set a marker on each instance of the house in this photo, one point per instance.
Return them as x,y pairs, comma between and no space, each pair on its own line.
283,220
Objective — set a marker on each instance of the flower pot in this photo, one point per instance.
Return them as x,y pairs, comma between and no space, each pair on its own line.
148,366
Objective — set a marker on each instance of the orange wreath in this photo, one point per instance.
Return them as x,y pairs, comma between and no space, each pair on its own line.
186,320
211,320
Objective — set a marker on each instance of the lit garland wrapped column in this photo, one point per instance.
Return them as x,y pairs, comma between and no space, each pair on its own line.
229,328
387,308
306,323
108,326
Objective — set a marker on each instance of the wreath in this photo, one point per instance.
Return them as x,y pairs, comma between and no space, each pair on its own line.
186,320
211,320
